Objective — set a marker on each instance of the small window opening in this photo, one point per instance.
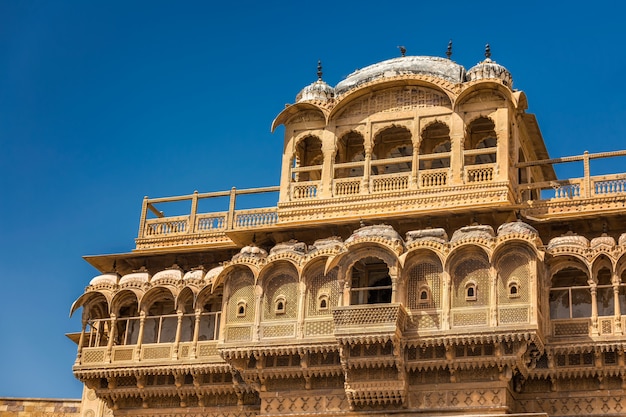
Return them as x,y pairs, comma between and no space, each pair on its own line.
241,309
513,290
470,292
279,305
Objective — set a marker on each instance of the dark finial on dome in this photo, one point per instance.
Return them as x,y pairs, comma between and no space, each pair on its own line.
449,51
402,50
487,51
319,70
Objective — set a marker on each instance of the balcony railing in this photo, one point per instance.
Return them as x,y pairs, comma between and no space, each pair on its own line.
377,177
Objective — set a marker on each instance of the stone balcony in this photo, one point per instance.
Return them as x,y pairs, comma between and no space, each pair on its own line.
386,196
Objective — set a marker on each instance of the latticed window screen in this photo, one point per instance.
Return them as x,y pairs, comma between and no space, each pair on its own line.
242,289
425,276
513,268
318,285
471,270
281,285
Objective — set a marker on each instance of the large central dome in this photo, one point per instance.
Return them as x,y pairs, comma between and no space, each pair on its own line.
424,65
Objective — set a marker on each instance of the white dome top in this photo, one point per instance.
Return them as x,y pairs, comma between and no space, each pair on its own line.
173,273
108,279
489,69
138,277
318,91
424,65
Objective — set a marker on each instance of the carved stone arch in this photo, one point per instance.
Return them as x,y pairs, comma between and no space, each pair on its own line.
503,245
469,267
515,266
560,262
371,271
322,289
307,152
620,267
125,298
362,250
89,299
240,290
234,270
158,294
423,271
479,247
601,261
186,300
280,291
435,138
483,86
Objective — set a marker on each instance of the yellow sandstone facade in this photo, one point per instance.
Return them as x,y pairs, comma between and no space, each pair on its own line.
422,259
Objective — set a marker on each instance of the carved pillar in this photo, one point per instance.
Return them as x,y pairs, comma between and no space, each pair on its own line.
301,309
367,169
457,137
493,296
196,333
111,338
258,295
179,328
142,322
285,177
393,274
81,341
502,143
618,309
594,308
445,302
325,189
415,138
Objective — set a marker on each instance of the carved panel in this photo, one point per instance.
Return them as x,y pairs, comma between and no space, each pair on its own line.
425,276
320,285
397,99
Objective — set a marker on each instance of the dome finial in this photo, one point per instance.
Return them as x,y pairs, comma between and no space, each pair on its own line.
319,70
449,51
402,50
487,51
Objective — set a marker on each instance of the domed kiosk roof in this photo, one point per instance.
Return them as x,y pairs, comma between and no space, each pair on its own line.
424,65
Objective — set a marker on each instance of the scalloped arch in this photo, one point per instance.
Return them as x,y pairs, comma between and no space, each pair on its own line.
155,294
361,250
125,297
88,298
528,247
291,110
470,88
559,263
283,265
470,248
445,87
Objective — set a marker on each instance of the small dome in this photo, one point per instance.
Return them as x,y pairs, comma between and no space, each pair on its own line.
196,273
518,227
377,231
480,231
213,273
318,91
171,274
290,246
568,240
422,65
489,69
138,278
251,251
603,240
622,239
437,234
333,242
105,279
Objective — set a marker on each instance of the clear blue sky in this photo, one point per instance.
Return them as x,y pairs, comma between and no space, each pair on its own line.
102,103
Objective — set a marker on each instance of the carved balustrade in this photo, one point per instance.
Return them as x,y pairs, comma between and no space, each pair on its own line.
434,177
347,186
369,319
389,182
480,173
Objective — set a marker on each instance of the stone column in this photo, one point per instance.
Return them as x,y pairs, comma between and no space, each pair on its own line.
493,296
196,333
457,138
81,341
301,309
142,322
445,302
618,309
594,308
258,296
179,328
111,338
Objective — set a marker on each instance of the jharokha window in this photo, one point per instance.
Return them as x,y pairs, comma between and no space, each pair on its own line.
371,283
570,295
